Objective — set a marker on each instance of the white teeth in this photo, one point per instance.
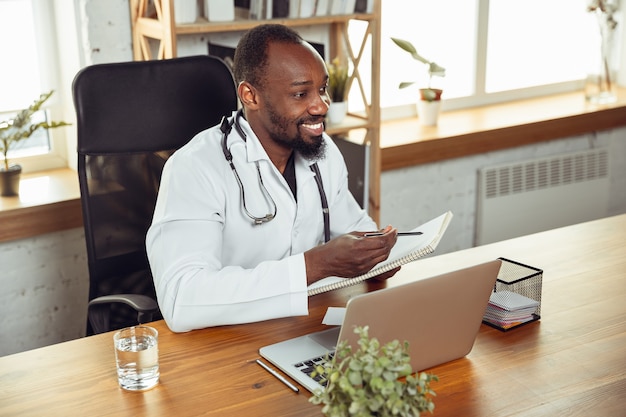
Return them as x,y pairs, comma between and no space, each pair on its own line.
315,126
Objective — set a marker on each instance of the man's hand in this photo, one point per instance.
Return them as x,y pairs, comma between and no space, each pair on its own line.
350,255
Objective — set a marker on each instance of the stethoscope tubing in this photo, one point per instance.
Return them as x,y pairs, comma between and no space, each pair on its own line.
226,127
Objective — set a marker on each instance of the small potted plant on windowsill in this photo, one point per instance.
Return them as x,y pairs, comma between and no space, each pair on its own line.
373,380
12,132
337,90
430,97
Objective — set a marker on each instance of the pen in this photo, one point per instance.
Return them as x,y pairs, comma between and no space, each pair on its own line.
399,234
277,375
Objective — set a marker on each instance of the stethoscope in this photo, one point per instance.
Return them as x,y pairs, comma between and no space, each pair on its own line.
226,126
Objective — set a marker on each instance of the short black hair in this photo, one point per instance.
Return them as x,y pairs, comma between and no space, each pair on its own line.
250,61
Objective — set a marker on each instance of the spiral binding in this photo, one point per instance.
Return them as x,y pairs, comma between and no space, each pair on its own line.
374,272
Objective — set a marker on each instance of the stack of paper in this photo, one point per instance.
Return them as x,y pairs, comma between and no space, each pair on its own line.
508,309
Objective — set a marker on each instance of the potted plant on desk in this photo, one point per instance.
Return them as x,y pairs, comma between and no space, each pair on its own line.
12,132
429,104
337,90
374,380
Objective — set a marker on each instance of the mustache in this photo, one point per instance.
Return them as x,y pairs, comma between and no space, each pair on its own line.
312,120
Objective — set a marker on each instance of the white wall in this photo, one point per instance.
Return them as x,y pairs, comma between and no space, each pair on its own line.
44,285
410,196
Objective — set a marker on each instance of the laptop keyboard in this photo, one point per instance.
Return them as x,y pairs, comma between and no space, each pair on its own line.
308,367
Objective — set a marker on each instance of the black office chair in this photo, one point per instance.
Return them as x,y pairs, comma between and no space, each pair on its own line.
130,118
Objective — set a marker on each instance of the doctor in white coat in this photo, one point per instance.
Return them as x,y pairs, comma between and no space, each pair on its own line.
252,211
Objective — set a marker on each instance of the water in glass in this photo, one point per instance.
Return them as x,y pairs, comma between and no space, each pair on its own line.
137,355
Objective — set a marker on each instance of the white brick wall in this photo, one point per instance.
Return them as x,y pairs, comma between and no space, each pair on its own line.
44,283
410,196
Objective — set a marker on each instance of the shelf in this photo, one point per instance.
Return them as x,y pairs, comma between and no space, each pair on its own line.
160,27
204,26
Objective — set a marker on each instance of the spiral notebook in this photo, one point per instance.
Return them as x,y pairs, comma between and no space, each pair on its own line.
407,249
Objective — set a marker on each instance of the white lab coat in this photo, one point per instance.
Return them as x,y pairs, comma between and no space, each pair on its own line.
211,265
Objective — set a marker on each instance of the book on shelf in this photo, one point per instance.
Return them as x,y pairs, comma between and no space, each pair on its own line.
360,6
219,10
258,10
321,7
407,249
337,7
340,7
294,9
364,6
280,8
349,7
307,8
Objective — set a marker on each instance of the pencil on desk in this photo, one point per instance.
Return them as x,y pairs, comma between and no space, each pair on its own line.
278,376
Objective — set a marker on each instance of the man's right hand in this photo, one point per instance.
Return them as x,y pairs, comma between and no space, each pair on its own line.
348,255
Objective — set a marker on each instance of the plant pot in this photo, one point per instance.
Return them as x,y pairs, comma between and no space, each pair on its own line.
337,112
428,112
10,181
430,94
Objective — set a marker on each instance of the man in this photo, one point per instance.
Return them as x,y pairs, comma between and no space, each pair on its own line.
241,243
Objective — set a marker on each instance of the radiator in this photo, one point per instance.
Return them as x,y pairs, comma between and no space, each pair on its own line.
525,197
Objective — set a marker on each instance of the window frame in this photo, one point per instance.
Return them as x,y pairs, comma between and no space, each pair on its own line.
480,97
49,74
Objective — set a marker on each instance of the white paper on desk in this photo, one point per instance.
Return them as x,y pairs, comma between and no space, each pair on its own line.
334,316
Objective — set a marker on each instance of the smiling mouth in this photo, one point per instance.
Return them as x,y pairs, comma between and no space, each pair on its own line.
315,128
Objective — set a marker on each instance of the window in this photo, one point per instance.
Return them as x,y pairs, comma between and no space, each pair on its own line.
27,70
493,50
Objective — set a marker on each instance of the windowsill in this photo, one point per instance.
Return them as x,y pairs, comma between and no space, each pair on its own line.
484,129
49,201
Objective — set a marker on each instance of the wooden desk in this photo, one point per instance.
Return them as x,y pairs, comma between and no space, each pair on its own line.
571,362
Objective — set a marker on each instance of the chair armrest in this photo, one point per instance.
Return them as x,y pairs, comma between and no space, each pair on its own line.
99,308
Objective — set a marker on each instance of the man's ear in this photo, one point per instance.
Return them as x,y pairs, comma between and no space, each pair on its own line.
248,95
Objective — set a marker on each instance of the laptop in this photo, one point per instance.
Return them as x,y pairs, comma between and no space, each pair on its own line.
439,316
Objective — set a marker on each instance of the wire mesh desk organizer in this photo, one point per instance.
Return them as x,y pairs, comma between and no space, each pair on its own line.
516,297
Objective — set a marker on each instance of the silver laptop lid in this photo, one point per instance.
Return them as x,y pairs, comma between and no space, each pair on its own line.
439,316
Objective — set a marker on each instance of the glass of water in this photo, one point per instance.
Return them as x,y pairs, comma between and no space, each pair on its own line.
137,357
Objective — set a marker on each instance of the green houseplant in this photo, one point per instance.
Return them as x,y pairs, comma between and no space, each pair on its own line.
337,90
12,132
434,70
429,104
337,80
373,380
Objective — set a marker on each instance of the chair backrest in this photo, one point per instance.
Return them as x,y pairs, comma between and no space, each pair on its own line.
131,117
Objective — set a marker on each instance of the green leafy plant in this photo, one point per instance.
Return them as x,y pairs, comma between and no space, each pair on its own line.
337,80
434,70
20,127
374,380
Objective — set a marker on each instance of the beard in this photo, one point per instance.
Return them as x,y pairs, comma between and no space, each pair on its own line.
313,149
